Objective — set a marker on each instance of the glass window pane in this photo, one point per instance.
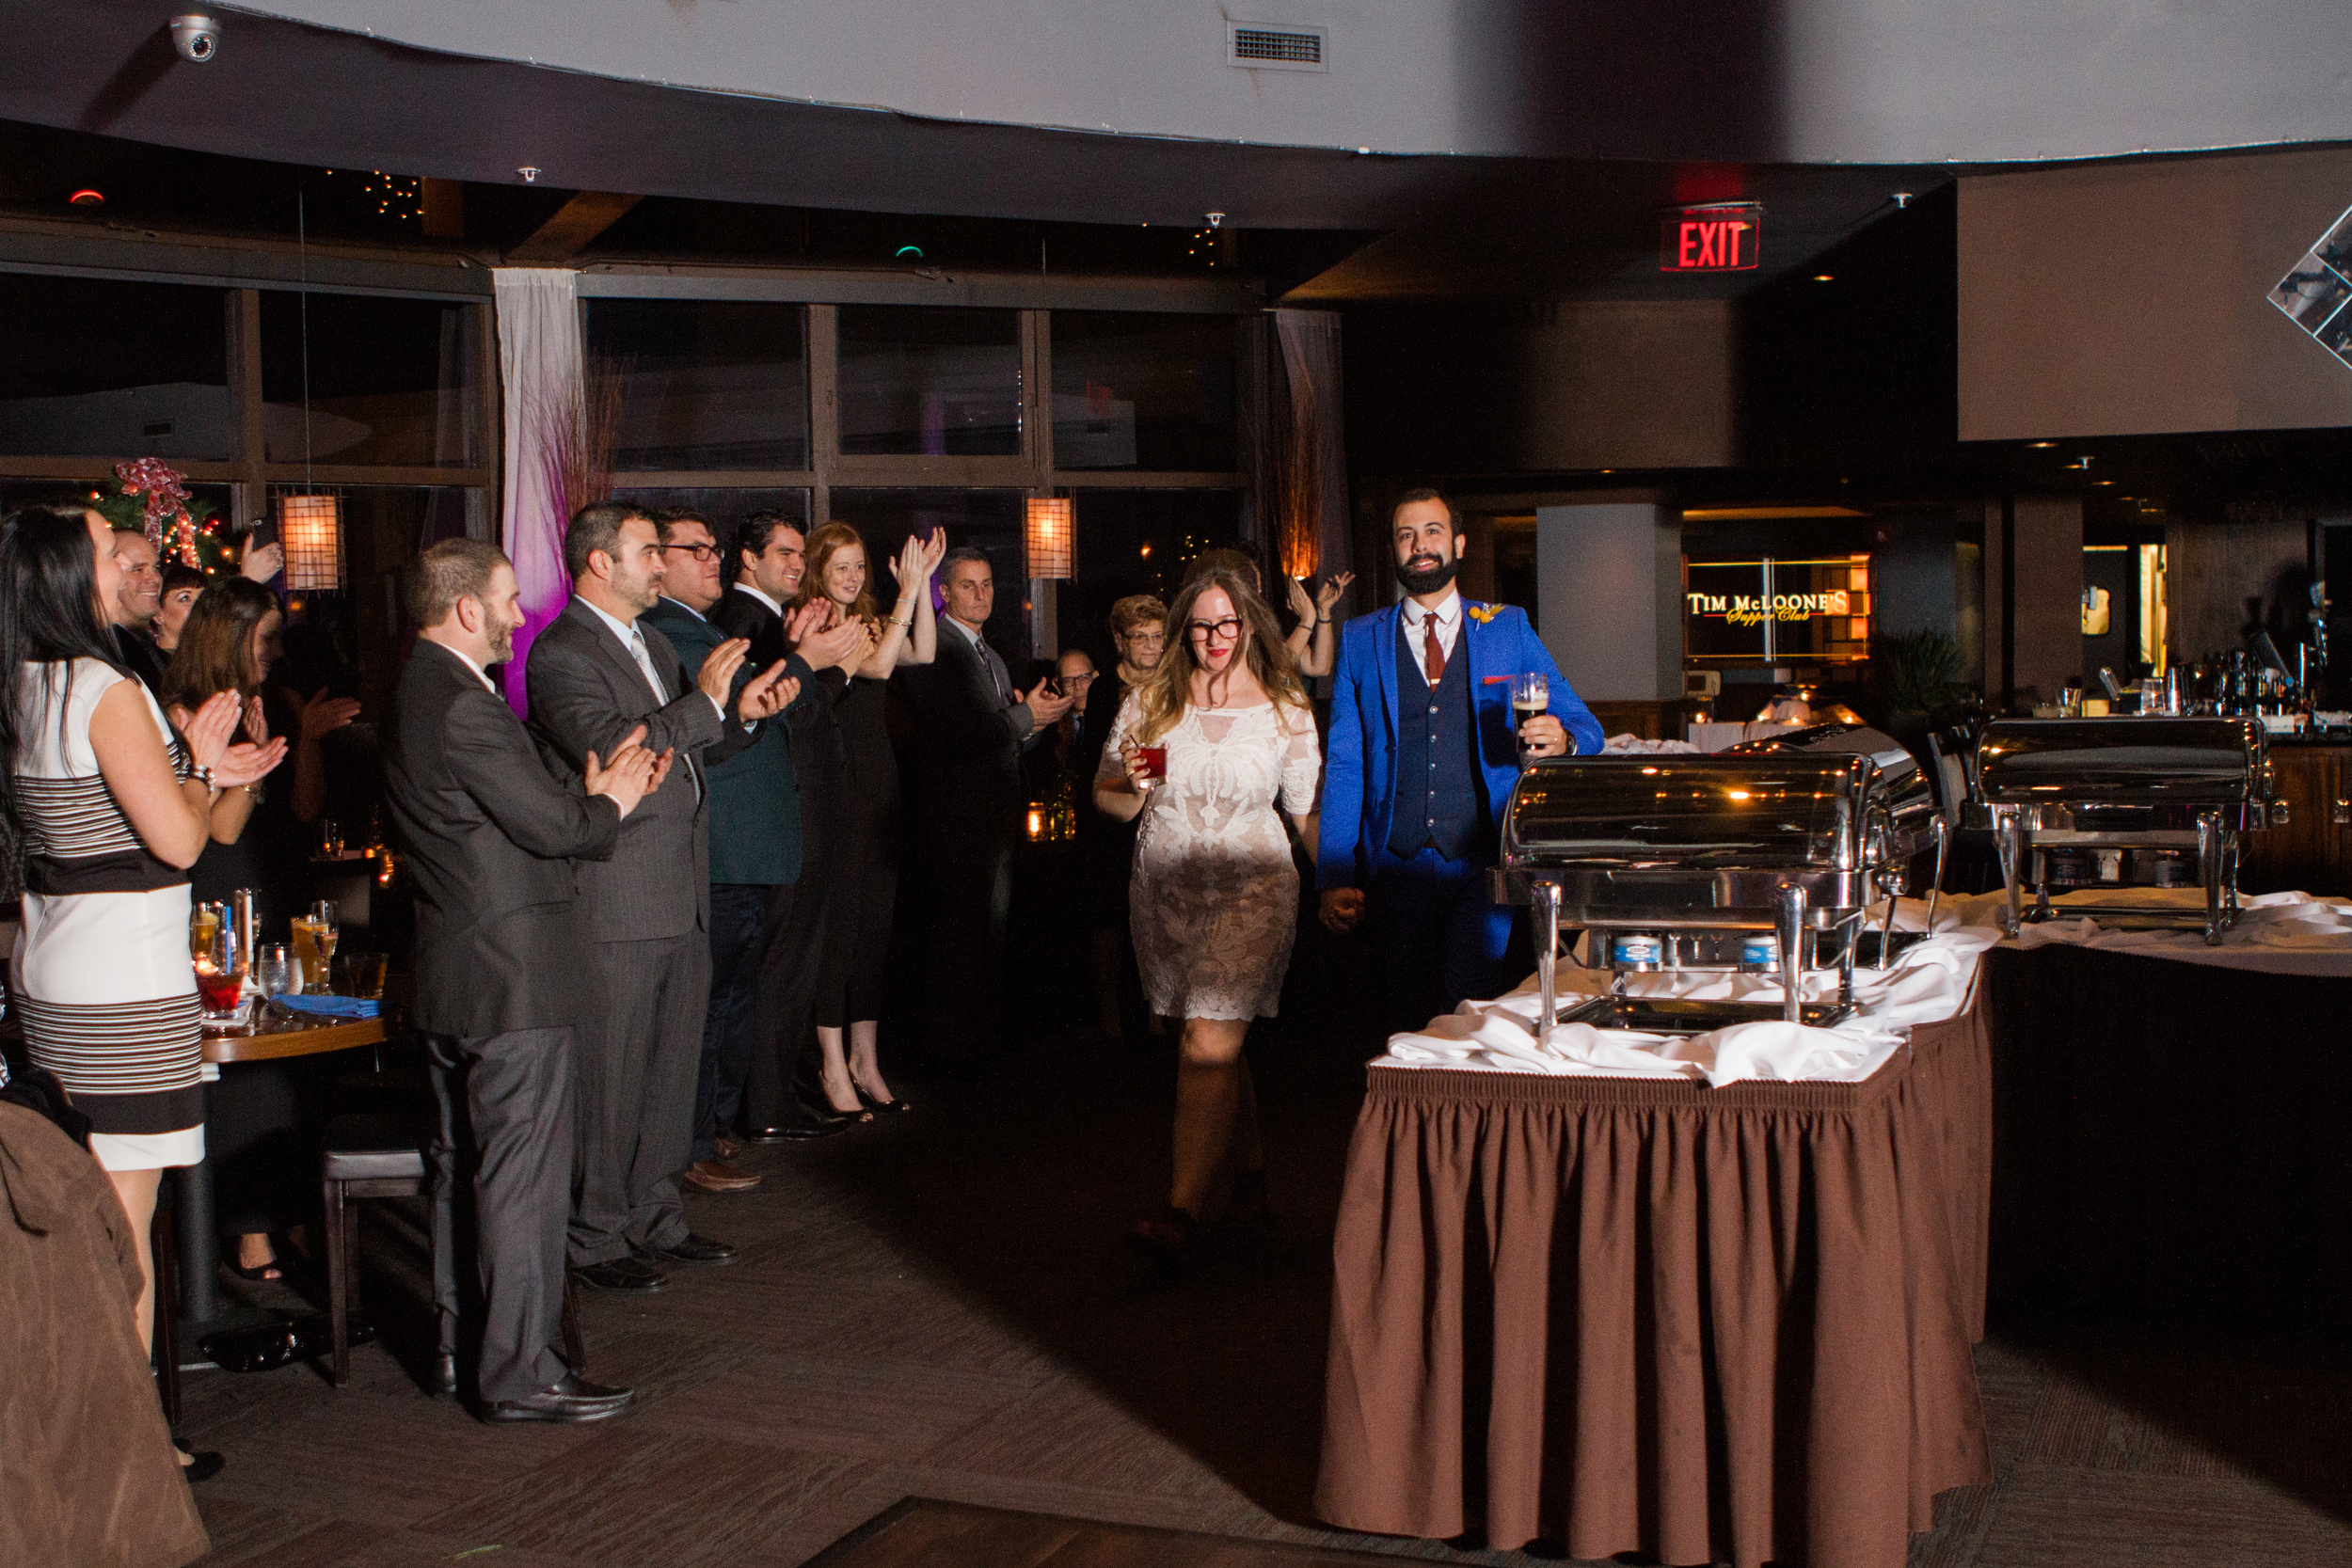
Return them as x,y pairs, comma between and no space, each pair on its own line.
1135,390
724,508
926,380
988,520
97,368
390,380
705,383
1139,542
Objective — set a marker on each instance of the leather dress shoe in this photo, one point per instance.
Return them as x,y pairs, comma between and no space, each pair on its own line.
445,1375
573,1400
717,1176
625,1274
691,1248
801,1131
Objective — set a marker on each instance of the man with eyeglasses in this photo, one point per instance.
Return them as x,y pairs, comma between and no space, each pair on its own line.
1422,759
755,846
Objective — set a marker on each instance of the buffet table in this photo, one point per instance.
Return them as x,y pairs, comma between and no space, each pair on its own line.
1642,1313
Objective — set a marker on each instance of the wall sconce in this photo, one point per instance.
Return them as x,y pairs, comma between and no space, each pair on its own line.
310,529
1050,535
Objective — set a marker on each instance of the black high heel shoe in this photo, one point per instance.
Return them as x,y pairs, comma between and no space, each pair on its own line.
896,1102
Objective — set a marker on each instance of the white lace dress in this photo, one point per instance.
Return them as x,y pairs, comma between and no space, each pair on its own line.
1214,896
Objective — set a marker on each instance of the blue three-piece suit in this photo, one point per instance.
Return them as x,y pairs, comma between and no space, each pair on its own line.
1413,791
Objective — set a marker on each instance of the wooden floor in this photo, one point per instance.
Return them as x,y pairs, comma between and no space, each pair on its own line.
937,1307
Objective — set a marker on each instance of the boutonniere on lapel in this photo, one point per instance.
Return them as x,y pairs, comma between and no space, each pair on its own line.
1481,613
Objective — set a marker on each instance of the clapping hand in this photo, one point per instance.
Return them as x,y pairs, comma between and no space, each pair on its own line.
1045,703
1302,603
262,561
831,642
766,694
628,778
1329,594
323,713
250,764
909,569
716,675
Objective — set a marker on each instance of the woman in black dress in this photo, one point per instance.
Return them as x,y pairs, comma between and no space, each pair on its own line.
1106,846
866,871
228,644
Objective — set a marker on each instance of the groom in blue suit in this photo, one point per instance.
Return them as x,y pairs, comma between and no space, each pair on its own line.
1422,758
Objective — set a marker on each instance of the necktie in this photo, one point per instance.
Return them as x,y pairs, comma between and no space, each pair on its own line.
644,662
1431,651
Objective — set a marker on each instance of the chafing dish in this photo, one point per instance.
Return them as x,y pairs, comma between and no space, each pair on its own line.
1672,860
2146,801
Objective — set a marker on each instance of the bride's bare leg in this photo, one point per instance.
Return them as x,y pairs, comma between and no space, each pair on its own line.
865,1067
1210,1080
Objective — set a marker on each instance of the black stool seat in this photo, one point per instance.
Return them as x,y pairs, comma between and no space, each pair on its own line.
373,1148
362,1156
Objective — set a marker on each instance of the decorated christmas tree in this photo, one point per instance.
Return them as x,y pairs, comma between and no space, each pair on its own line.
149,494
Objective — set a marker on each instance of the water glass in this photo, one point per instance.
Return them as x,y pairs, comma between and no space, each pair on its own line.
274,967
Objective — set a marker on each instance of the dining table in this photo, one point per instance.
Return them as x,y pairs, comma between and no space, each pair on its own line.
276,1034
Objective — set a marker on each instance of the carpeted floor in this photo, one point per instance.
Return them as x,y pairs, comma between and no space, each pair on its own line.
937,1307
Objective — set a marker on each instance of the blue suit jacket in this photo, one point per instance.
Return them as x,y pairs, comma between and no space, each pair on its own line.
755,796
1360,773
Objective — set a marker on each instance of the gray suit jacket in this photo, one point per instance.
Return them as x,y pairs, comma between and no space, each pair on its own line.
586,694
492,842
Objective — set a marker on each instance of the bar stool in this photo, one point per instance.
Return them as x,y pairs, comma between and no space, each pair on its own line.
362,1156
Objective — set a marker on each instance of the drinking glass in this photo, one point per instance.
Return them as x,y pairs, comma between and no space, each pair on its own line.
1531,695
323,934
306,954
362,975
275,967
330,839
1155,762
221,979
204,921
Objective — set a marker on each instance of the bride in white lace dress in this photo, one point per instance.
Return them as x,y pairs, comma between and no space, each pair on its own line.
1215,897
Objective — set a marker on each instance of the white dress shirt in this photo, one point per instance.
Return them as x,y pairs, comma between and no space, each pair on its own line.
634,641
741,587
1449,619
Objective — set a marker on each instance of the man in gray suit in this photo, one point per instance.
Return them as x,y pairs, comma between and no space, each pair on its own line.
489,840
594,675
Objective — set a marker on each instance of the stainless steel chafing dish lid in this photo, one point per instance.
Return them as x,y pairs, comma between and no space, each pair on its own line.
1787,810
2123,762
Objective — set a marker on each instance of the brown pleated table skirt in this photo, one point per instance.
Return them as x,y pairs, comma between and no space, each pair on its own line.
1624,1315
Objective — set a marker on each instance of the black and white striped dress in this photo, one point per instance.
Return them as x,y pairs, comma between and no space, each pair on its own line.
102,977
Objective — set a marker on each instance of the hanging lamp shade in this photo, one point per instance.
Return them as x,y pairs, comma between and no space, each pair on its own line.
310,529
1050,535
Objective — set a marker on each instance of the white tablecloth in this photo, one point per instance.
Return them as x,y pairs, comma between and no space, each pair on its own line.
1931,982
2277,933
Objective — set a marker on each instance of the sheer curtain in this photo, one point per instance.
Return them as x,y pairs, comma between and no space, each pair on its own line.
541,360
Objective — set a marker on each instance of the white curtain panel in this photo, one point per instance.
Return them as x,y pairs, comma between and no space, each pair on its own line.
543,362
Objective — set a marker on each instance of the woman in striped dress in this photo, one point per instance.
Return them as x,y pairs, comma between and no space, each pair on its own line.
105,810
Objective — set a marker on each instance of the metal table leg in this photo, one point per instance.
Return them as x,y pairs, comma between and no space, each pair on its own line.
199,1256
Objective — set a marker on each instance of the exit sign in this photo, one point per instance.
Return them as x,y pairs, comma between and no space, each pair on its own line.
1722,236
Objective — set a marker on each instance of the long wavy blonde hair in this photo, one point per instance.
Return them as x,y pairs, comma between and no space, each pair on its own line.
1162,695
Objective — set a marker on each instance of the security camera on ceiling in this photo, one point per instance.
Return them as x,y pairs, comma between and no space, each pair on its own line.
196,38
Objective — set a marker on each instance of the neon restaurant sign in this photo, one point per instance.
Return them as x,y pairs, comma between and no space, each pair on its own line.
1775,610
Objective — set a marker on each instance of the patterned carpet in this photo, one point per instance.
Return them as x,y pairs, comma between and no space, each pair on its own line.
937,1307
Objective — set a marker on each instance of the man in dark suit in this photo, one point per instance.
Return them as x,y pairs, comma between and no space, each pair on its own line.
971,727
755,846
489,839
594,675
764,556
134,610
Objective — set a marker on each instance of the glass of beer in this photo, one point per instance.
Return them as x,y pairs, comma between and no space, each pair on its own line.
1531,695
204,923
323,933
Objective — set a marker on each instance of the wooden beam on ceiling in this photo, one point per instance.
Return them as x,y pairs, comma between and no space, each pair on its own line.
578,222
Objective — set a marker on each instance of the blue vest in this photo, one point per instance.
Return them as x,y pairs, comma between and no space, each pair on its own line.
1437,760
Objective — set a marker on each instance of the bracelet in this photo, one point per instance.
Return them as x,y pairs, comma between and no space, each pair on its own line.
902,625
1325,621
204,777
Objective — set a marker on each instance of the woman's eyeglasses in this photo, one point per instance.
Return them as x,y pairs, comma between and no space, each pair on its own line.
700,553
1219,630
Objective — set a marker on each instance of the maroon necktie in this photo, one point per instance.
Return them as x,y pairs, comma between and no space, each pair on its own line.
1431,651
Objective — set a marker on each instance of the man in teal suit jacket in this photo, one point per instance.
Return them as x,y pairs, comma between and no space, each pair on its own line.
1423,757
754,851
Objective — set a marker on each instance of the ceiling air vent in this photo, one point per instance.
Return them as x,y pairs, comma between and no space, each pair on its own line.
1262,46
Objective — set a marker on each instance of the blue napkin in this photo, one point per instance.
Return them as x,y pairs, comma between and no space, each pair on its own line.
330,1006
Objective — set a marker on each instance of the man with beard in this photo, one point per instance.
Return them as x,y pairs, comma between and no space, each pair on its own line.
596,674
1422,758
489,839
